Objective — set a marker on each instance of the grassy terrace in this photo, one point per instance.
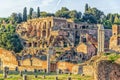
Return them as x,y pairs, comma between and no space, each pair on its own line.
16,76
50,77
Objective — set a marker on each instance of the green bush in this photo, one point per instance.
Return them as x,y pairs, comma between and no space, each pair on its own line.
114,57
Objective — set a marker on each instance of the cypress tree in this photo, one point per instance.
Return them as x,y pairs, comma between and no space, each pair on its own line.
86,7
38,12
25,14
30,13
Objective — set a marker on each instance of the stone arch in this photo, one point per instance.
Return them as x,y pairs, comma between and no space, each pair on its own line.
50,25
83,27
48,32
44,25
43,33
25,44
68,25
34,28
38,43
35,44
38,34
30,44
51,39
75,26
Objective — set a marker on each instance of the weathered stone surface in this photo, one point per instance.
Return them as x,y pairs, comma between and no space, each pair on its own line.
115,39
105,70
8,59
77,70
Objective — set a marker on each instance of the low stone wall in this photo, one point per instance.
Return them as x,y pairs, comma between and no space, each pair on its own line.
8,59
65,65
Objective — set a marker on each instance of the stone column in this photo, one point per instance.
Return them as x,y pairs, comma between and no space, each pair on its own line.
48,63
50,51
100,39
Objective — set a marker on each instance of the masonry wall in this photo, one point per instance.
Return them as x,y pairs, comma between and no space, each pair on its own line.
106,70
8,59
114,40
82,47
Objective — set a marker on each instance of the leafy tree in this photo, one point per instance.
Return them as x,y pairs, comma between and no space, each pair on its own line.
107,24
25,14
79,14
98,14
94,13
14,17
43,14
116,20
50,14
73,14
38,12
90,18
19,20
64,12
9,39
7,20
110,17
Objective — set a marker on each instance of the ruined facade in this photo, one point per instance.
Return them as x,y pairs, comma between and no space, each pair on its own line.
87,47
115,39
72,42
43,31
59,32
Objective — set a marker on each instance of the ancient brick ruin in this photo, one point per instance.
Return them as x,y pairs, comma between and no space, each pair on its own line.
72,44
115,39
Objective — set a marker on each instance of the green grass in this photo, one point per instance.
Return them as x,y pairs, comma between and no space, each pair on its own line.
48,77
112,56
